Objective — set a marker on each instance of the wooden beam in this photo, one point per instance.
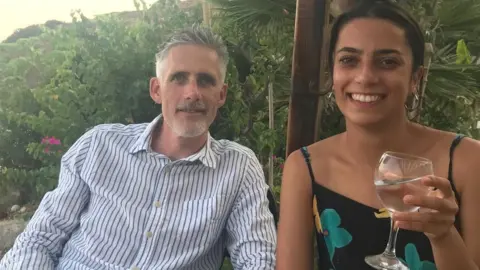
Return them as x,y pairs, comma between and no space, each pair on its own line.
207,13
339,6
305,105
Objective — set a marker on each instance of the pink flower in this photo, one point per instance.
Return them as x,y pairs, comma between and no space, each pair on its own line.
51,140
274,157
46,150
54,141
281,166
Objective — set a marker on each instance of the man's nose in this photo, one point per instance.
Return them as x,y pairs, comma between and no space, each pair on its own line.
192,90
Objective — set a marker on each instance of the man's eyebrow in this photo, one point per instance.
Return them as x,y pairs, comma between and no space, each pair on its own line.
177,73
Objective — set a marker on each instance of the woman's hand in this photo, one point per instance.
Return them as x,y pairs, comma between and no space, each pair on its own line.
437,211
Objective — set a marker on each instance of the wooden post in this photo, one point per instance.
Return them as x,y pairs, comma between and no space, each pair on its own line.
271,125
207,13
305,104
339,6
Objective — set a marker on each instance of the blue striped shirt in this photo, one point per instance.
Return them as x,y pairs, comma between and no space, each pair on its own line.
119,205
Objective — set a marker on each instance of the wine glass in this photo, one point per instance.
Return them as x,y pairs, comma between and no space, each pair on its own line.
396,176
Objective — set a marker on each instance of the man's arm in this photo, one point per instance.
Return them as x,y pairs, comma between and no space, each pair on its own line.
251,231
42,242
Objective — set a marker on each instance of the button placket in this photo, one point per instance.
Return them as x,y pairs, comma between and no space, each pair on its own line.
155,218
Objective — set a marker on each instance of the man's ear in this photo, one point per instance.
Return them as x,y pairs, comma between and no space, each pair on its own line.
223,95
155,90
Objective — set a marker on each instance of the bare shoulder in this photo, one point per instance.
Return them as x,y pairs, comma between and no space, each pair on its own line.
467,160
466,157
296,169
326,147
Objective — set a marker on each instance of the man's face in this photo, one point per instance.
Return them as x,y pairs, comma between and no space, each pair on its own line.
190,89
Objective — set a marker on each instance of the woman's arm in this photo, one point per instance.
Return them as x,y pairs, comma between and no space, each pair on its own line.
466,168
295,227
451,251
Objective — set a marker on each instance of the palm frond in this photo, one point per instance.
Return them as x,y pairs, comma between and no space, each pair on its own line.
460,20
449,80
452,81
457,15
254,14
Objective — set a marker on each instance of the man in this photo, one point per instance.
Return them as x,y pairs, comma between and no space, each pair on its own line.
159,196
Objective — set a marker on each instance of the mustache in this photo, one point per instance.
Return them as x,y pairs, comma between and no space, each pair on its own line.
193,106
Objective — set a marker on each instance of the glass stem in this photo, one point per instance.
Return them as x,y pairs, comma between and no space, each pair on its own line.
392,240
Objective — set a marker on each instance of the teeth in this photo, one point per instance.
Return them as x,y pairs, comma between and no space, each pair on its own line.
365,98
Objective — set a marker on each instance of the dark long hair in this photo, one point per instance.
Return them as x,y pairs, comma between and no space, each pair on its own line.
385,10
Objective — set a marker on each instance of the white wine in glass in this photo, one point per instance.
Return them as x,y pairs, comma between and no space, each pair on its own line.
396,176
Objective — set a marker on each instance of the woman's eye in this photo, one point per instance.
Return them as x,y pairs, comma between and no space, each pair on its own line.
388,63
347,60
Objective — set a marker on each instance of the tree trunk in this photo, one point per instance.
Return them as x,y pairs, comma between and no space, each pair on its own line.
305,103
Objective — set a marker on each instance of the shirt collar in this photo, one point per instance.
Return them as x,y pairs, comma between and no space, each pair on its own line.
206,155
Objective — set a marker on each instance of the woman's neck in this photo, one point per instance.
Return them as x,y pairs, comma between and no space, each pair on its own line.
367,144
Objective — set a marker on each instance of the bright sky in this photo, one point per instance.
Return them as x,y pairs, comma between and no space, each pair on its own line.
16,14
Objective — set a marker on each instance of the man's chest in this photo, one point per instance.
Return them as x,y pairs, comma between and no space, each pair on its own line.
150,209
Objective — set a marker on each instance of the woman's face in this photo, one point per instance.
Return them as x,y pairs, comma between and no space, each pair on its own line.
372,71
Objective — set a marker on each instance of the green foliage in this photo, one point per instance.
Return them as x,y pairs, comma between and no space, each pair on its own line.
32,31
64,80
453,88
67,80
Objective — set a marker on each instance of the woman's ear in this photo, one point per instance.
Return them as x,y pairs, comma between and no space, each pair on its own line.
417,78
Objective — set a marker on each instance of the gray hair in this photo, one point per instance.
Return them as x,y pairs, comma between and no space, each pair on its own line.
195,35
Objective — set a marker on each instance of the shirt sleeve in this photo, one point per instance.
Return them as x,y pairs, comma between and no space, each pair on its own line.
41,244
251,234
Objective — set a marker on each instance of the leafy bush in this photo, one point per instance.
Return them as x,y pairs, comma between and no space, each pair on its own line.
67,80
71,77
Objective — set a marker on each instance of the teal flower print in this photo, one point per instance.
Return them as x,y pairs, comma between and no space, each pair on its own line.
412,259
334,236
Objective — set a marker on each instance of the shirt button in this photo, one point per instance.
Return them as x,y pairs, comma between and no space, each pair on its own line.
149,234
157,204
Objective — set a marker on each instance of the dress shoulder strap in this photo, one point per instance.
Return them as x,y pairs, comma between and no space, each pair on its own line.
454,145
306,156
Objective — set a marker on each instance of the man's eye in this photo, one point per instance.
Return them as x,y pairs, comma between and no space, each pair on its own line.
179,78
205,81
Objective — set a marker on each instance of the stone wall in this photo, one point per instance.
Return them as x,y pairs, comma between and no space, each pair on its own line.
9,230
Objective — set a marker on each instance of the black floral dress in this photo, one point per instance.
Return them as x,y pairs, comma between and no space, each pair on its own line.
348,231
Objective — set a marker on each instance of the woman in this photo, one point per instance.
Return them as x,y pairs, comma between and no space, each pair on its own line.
376,57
